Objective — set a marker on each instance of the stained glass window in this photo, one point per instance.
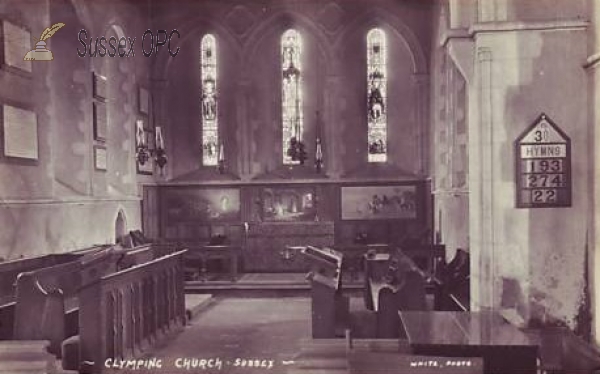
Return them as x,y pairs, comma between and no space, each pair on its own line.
377,96
208,101
291,50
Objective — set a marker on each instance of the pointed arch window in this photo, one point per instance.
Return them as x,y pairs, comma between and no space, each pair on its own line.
208,101
377,95
291,98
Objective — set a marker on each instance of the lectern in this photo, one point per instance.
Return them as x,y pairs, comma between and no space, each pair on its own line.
330,309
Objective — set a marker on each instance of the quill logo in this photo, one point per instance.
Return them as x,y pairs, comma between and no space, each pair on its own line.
41,53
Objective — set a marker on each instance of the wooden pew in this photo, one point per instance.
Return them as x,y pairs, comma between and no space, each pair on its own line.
9,270
392,283
46,299
48,287
122,313
453,284
143,253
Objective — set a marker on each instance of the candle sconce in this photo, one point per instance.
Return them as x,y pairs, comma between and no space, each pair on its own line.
221,160
144,153
318,156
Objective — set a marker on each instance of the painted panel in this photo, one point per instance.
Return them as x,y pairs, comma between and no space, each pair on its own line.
379,202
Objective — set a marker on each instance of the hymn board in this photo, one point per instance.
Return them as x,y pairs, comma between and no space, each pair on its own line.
543,166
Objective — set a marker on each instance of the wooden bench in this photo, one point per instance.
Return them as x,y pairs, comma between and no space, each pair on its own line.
46,299
142,254
9,272
392,283
453,284
125,312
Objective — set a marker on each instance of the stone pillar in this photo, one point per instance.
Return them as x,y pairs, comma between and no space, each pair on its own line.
481,166
593,66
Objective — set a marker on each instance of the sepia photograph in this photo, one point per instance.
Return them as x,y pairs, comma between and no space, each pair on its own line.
299,186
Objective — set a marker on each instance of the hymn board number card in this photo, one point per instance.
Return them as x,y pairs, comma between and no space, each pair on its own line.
543,154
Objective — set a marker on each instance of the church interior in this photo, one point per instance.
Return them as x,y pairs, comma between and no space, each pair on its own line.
299,186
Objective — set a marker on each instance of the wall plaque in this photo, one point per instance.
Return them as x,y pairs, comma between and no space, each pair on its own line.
143,101
100,86
100,121
543,166
100,158
20,133
14,41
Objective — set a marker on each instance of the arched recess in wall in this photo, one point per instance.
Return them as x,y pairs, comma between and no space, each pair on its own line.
178,104
120,225
407,96
262,63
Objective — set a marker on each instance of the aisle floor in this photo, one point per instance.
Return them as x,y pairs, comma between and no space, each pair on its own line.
238,331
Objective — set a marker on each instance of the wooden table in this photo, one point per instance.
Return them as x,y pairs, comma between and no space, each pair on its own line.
205,252
504,348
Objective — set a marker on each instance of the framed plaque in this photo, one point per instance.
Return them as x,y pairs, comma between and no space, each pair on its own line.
20,135
15,42
143,101
100,121
100,158
543,166
100,86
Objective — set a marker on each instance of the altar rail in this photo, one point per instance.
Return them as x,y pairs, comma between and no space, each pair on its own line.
125,312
